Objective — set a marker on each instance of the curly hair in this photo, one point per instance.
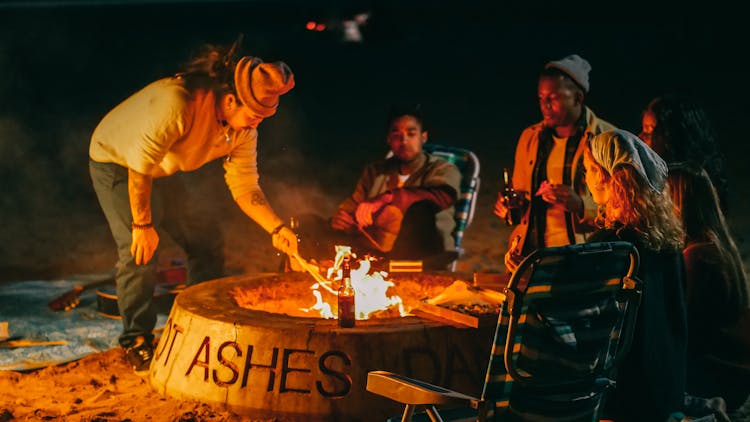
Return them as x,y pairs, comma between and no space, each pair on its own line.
633,204
684,133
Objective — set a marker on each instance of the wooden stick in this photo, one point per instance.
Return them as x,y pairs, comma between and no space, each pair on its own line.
4,331
369,237
10,344
316,275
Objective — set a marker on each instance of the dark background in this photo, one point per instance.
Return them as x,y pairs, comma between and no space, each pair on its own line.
472,65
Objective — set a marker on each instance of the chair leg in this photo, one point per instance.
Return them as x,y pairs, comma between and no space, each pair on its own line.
408,413
482,408
433,414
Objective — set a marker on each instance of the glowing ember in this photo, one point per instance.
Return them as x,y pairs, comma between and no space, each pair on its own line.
370,290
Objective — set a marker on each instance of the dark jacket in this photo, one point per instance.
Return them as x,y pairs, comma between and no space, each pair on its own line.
651,379
719,339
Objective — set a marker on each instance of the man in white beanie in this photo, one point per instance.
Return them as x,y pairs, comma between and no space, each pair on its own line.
178,124
547,173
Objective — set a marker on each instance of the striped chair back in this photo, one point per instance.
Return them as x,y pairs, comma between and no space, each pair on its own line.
567,322
468,164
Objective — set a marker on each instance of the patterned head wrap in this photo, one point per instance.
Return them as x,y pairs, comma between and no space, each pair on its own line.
621,148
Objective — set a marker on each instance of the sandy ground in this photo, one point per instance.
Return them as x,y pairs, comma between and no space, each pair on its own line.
99,387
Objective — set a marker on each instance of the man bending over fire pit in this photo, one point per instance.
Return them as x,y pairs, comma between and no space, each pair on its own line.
402,206
178,124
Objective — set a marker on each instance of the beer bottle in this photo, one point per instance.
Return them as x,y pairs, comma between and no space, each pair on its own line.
285,265
346,296
511,199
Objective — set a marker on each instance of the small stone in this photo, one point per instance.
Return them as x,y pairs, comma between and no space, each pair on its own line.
6,415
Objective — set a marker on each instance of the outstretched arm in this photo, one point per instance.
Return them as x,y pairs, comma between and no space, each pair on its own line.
243,181
255,206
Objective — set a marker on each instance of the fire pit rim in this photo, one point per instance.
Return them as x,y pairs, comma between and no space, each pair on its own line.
205,300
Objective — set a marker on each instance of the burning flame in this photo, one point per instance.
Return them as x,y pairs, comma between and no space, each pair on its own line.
370,290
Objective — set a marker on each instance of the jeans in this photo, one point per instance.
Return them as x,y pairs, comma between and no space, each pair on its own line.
175,211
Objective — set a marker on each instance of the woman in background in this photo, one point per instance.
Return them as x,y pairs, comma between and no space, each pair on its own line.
717,292
628,181
679,130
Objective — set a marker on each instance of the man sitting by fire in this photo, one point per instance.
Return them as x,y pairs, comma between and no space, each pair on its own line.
402,206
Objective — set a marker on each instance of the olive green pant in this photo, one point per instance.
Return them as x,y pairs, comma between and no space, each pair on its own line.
174,213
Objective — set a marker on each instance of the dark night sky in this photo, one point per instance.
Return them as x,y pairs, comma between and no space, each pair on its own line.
473,66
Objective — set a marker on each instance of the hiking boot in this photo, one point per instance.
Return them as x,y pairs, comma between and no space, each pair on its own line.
139,356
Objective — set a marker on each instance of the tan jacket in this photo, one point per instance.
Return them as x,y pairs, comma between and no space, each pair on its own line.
523,168
382,176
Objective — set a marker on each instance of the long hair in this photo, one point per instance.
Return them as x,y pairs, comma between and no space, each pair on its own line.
633,204
211,67
684,133
696,201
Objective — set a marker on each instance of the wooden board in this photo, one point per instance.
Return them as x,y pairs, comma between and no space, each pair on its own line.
445,314
495,281
446,305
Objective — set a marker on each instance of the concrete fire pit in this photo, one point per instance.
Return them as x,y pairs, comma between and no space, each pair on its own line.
266,364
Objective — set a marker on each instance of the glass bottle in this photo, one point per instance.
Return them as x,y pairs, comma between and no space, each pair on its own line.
285,265
511,199
346,296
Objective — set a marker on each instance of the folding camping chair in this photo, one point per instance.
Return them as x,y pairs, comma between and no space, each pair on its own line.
468,164
566,324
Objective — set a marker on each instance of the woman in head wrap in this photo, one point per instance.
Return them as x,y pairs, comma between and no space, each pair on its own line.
717,291
628,181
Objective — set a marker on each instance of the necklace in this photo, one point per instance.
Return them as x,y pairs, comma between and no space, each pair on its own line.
226,128
227,138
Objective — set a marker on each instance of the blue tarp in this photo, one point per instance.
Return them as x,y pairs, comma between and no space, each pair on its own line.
23,304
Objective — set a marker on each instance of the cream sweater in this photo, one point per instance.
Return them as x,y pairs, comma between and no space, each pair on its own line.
163,128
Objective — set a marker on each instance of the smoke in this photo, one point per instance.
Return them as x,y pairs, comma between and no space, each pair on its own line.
297,172
48,227
297,183
295,199
28,178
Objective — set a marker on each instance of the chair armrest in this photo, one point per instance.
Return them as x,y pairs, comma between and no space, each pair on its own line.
411,391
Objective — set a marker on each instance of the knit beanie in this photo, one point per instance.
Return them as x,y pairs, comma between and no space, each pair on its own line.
260,84
619,147
575,67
